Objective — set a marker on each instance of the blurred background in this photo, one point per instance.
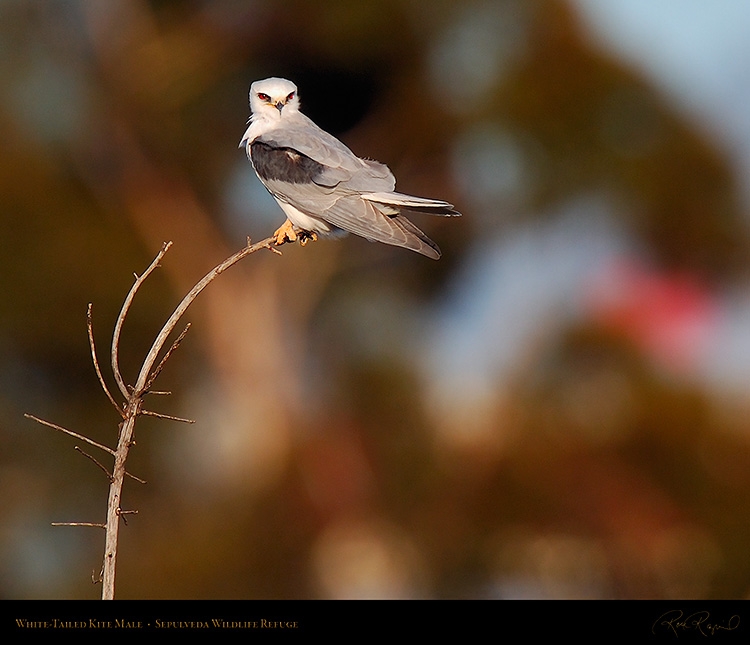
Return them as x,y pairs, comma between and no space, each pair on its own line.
556,409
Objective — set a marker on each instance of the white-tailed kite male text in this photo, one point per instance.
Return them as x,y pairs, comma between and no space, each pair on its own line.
321,185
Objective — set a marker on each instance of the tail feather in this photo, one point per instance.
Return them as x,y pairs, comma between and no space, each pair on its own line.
410,202
379,223
416,240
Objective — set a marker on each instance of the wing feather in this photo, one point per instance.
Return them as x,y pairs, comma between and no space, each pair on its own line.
342,165
350,193
366,219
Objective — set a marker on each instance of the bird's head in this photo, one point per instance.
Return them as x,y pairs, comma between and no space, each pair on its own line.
272,97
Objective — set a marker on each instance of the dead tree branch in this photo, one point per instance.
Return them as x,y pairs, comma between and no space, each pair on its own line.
133,395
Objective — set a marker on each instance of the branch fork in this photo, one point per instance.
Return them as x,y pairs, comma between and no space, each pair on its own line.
133,405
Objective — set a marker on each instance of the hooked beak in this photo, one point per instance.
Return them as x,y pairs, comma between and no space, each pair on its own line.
279,105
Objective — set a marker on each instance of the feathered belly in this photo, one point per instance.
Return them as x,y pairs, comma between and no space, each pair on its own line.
307,222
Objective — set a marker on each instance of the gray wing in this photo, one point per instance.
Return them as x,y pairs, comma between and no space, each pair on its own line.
341,165
305,166
351,213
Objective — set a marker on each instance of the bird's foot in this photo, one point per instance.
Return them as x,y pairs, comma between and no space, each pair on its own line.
285,233
307,236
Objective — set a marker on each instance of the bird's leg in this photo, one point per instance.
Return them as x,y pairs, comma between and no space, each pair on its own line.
285,233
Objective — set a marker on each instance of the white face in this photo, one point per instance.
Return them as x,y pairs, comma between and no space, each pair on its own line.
272,97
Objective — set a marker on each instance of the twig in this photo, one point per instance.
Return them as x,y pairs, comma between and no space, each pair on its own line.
163,361
90,327
88,456
168,417
70,432
124,312
133,477
123,514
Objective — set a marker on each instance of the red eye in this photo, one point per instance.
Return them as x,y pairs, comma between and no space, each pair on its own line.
263,97
290,97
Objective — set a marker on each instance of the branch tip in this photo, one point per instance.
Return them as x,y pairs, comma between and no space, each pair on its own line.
54,426
97,369
168,417
97,525
88,456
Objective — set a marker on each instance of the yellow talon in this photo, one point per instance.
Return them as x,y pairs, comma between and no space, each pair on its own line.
307,236
285,233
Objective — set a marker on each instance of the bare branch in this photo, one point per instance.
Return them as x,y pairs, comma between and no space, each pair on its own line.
134,396
143,377
138,479
168,417
163,361
71,433
90,326
123,513
121,318
87,455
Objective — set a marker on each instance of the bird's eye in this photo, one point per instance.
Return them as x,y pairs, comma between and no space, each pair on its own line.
263,97
290,96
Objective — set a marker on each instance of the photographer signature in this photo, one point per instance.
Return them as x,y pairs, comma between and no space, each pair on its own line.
699,621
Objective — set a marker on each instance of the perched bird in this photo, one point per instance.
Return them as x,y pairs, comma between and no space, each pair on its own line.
321,185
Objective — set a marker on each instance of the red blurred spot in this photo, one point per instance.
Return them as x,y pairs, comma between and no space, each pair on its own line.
668,315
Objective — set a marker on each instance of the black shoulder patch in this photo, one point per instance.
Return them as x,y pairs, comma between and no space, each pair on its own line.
283,164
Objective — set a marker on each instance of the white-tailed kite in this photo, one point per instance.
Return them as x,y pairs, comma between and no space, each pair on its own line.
321,185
